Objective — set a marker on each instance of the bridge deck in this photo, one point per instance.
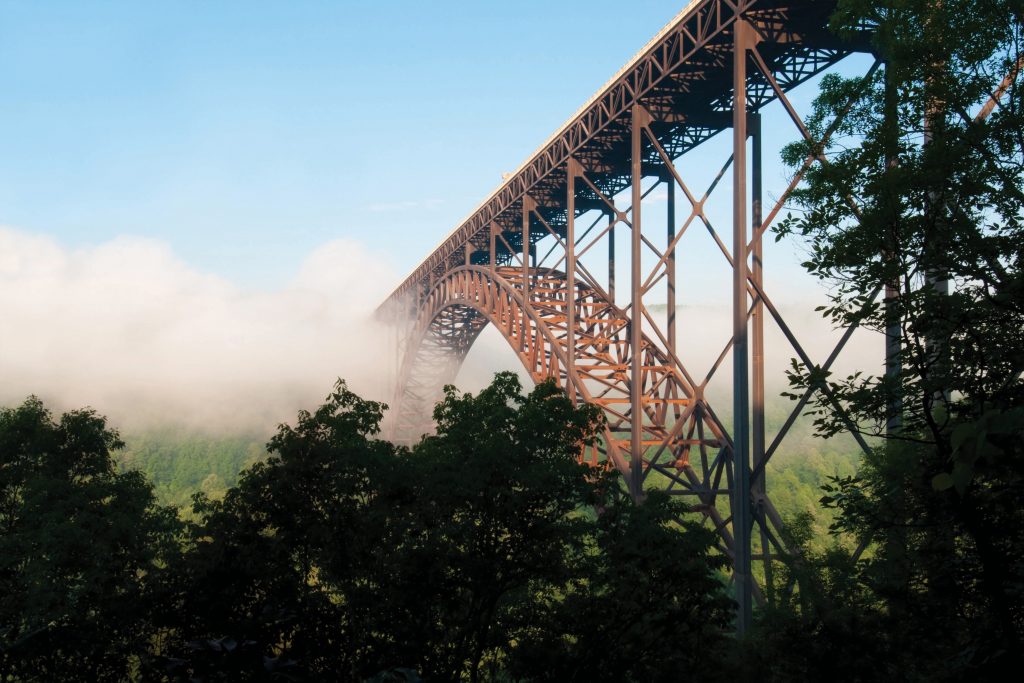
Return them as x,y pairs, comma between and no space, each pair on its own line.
683,78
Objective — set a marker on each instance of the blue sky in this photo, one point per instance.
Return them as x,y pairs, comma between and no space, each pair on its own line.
245,134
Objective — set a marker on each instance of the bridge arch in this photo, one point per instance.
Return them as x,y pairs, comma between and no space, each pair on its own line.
450,319
685,445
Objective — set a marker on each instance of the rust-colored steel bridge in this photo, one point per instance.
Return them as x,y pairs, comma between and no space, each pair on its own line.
537,260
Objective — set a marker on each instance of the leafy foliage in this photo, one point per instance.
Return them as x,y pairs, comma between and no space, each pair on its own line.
922,186
82,548
345,556
181,462
643,605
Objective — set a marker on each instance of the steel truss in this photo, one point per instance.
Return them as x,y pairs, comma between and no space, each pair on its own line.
713,68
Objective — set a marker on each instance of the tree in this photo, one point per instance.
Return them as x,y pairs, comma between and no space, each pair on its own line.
345,557
278,576
924,186
81,550
493,522
644,603
511,559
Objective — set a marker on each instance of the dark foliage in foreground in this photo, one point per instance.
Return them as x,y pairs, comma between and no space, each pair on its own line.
476,555
924,186
82,550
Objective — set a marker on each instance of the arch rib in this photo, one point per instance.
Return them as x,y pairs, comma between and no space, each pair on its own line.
677,423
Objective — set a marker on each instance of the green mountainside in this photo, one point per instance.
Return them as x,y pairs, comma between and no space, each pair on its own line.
182,462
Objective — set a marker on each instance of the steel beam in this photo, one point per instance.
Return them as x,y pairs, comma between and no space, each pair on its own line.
639,119
893,330
742,41
611,257
758,484
670,264
528,206
572,170
493,231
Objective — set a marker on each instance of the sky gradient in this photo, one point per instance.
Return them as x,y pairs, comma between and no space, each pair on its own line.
246,134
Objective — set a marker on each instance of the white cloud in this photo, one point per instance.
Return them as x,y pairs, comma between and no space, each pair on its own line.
131,330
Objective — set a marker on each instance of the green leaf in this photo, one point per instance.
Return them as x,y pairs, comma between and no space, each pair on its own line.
942,482
961,434
962,475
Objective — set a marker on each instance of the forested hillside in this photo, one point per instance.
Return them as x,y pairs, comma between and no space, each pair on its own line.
182,462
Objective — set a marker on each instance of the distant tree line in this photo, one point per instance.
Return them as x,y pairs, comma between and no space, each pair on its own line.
180,461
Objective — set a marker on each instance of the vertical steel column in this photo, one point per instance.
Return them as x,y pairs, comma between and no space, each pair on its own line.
611,257
494,247
528,206
893,330
934,117
571,171
741,520
935,235
636,394
670,264
933,206
757,440
393,358
757,273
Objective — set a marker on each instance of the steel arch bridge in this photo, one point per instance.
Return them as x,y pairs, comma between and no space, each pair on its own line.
537,260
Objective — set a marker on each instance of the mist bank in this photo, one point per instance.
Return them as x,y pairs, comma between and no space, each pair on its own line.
130,329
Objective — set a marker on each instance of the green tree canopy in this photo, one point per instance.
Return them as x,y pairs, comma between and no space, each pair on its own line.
81,550
469,556
915,223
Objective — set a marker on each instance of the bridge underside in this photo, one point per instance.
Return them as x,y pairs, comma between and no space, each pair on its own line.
685,445
538,261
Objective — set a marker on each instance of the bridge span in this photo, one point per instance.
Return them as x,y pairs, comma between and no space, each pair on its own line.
537,261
